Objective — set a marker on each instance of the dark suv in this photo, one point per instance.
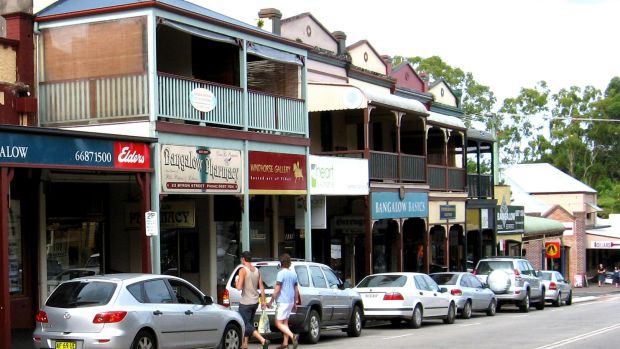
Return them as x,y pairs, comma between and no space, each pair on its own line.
513,280
325,302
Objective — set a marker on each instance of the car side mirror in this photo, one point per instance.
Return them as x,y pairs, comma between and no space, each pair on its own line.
208,300
347,284
443,290
538,273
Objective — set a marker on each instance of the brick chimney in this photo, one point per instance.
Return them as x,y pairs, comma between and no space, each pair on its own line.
342,42
276,19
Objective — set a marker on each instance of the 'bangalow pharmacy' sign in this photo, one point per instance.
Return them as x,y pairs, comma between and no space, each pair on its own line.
187,169
389,205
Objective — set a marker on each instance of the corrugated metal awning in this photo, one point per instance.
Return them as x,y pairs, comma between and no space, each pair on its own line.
324,97
538,225
445,120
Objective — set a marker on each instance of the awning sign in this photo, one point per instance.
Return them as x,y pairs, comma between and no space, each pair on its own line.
552,249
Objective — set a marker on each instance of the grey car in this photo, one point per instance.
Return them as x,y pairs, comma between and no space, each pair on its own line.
469,293
557,289
325,302
136,311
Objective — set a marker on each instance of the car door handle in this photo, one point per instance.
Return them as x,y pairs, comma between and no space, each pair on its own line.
421,293
188,312
157,312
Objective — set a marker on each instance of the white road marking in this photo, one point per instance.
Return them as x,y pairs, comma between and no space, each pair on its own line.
472,324
404,335
579,337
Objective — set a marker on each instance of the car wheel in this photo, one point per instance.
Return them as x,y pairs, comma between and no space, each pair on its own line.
355,324
492,309
314,328
524,307
466,312
449,319
569,299
416,317
541,305
144,340
558,300
231,339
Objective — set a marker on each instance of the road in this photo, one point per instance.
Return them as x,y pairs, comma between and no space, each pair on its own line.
591,325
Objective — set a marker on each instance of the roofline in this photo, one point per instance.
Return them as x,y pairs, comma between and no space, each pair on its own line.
72,133
308,14
170,8
360,43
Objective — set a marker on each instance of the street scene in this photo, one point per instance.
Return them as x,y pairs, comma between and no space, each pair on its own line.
279,174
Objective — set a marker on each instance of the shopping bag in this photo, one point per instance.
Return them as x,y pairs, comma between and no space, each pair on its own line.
263,323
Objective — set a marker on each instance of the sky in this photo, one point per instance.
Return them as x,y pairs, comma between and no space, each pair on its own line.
505,44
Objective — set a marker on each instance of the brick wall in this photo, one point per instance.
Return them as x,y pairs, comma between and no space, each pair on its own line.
580,242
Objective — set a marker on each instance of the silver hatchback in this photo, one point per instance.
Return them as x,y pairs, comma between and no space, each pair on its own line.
134,311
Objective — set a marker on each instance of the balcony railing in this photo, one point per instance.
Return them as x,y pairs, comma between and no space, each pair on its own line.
412,168
480,186
277,114
383,165
106,98
446,178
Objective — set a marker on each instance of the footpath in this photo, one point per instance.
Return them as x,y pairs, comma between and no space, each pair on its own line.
593,292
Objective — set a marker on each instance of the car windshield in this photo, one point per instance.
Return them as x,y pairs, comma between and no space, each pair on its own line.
445,279
486,267
546,276
383,281
81,294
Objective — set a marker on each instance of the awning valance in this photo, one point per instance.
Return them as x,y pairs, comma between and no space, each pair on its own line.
445,120
538,225
203,33
324,97
273,54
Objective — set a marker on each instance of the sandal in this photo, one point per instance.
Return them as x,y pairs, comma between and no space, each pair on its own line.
295,341
266,344
282,346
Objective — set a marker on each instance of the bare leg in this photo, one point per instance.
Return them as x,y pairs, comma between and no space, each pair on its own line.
257,335
282,325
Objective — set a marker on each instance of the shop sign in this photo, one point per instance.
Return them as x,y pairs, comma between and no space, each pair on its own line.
338,176
510,218
62,151
605,244
277,173
348,224
174,214
202,100
390,205
447,212
194,170
318,213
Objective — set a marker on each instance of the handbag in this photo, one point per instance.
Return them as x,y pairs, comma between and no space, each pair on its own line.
263,323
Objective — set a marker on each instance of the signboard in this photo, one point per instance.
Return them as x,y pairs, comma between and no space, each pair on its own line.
202,99
277,173
192,170
338,176
172,214
552,249
319,212
63,151
152,223
390,205
447,212
348,224
510,218
605,244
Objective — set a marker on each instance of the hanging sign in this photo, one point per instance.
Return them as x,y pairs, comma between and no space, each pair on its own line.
202,99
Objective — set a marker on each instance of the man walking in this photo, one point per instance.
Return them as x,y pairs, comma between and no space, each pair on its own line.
249,281
286,295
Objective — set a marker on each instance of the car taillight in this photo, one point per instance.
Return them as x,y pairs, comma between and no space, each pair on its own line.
226,298
393,296
456,292
109,317
553,286
41,317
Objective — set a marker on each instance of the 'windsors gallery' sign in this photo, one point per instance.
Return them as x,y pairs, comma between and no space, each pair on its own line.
191,169
277,173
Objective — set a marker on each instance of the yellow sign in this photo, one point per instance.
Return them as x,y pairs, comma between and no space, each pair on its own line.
552,249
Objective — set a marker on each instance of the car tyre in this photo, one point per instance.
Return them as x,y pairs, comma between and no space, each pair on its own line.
449,319
558,300
524,307
492,309
355,323
231,339
416,317
569,299
314,328
144,340
541,305
466,312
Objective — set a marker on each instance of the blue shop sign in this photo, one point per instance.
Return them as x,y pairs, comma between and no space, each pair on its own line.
447,212
389,205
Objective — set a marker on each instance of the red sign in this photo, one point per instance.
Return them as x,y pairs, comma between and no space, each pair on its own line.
552,249
277,173
132,155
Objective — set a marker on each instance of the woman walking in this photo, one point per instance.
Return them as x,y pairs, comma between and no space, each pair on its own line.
601,271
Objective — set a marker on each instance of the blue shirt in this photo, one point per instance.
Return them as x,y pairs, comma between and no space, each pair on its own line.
287,280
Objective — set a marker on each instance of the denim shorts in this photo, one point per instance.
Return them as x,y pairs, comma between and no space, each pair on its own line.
247,312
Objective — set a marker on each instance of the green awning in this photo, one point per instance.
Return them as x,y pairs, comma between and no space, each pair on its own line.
539,225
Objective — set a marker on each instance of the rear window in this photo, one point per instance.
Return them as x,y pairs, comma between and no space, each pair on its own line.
383,281
486,267
81,294
269,274
445,279
546,276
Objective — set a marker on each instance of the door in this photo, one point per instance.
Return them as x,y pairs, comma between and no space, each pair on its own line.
341,302
426,296
325,294
475,287
168,316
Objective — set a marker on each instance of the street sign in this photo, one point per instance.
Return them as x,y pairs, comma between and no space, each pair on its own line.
152,223
552,249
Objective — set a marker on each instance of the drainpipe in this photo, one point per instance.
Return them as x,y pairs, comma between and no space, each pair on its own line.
276,19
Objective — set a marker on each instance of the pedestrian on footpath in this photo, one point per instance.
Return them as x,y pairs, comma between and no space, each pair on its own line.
616,275
249,282
286,296
601,271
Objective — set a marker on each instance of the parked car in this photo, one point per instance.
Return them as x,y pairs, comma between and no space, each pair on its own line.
557,289
325,302
134,311
513,280
412,297
469,293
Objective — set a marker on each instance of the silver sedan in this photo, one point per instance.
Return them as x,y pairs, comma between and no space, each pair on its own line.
557,289
469,293
136,311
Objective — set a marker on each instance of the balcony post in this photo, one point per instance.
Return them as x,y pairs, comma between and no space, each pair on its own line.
399,116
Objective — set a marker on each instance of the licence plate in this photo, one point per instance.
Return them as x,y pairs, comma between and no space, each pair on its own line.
66,345
371,295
